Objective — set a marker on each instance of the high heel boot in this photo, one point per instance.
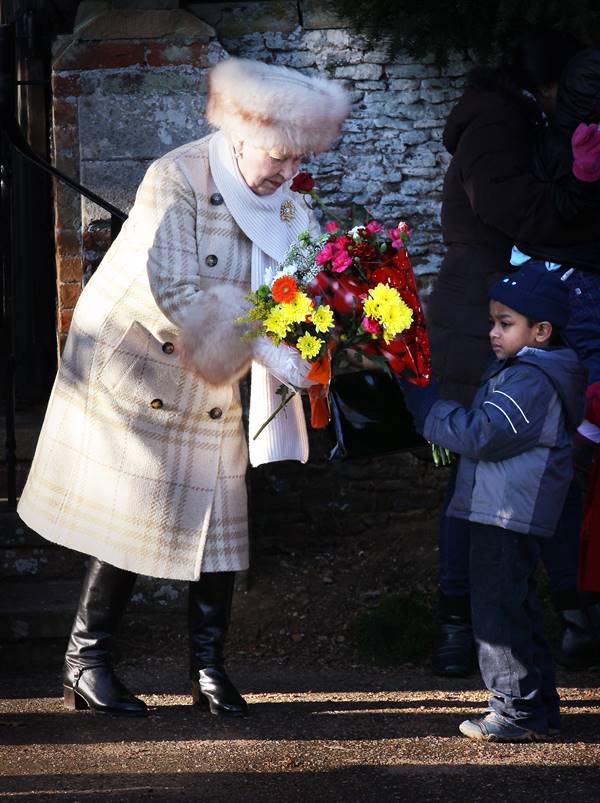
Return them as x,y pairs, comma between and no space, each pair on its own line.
88,678
209,611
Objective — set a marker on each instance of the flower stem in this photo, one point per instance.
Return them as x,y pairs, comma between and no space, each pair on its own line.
285,400
327,211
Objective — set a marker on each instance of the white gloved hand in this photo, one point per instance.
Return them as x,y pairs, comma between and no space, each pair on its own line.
284,362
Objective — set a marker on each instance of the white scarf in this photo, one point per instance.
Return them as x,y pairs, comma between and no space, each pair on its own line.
285,438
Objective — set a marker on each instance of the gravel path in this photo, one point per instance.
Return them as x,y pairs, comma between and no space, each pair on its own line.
354,735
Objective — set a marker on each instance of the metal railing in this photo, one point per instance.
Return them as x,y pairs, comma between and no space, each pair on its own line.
14,143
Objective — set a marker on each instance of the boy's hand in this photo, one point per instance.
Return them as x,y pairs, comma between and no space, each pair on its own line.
419,400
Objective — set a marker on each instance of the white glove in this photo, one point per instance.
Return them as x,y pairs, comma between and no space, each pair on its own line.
284,362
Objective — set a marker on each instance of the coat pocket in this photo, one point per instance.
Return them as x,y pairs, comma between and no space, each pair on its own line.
140,372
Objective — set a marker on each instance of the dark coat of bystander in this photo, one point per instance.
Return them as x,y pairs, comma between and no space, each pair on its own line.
491,200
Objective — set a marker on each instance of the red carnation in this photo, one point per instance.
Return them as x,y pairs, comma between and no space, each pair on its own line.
302,182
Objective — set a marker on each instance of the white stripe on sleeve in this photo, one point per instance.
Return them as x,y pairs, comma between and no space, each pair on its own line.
504,413
514,402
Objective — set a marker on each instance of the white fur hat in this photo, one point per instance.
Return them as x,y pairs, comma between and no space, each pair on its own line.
275,107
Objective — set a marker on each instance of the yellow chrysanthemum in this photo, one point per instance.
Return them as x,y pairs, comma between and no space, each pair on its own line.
279,321
309,346
299,308
323,318
384,304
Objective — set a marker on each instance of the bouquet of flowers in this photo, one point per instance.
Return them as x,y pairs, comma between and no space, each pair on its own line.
346,297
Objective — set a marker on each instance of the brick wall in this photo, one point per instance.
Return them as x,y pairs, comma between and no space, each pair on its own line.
128,86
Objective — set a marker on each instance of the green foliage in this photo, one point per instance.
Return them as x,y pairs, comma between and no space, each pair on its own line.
478,29
260,306
400,630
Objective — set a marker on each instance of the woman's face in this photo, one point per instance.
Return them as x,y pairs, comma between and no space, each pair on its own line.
265,171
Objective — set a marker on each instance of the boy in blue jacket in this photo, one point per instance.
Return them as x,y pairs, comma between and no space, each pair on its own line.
515,444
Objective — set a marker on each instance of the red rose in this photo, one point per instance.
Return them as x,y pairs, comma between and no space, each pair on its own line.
302,182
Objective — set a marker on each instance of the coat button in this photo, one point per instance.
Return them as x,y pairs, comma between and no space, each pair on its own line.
211,260
168,348
216,412
216,199
156,404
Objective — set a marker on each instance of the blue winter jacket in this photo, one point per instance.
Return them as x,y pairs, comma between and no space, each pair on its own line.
515,441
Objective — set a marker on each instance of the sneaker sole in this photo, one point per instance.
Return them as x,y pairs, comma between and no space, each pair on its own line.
477,735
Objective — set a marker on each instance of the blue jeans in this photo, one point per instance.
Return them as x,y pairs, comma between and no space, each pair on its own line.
514,659
560,554
582,333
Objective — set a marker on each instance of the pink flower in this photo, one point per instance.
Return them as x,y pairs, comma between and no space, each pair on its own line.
331,226
341,261
403,228
396,235
373,227
325,254
369,325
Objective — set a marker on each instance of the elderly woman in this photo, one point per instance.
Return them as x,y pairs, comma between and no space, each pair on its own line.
142,457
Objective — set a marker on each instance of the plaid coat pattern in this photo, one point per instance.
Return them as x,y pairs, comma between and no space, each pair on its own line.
140,463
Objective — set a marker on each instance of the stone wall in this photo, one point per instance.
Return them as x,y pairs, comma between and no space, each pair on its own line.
390,156
129,85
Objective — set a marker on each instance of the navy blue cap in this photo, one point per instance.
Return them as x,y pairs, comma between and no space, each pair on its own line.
536,292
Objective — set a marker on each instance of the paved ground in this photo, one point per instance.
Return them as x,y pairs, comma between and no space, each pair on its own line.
354,734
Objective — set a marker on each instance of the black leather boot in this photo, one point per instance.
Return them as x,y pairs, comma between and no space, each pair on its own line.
453,654
88,678
580,641
209,612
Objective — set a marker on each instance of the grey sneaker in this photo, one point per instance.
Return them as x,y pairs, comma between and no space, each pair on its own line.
494,728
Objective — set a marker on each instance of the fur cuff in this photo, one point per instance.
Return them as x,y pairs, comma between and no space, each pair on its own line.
211,341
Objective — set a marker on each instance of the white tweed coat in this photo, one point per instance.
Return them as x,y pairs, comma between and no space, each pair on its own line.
140,462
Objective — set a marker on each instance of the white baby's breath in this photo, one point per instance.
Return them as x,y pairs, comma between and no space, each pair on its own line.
272,274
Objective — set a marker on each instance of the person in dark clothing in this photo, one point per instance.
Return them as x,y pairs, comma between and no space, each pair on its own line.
491,200
515,467
576,119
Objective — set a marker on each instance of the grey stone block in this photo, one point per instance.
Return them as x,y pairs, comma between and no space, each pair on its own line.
413,70
420,157
148,82
439,95
360,72
114,128
296,60
237,19
114,180
316,16
294,41
126,23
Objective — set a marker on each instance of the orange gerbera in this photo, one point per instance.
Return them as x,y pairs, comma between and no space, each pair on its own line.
284,289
